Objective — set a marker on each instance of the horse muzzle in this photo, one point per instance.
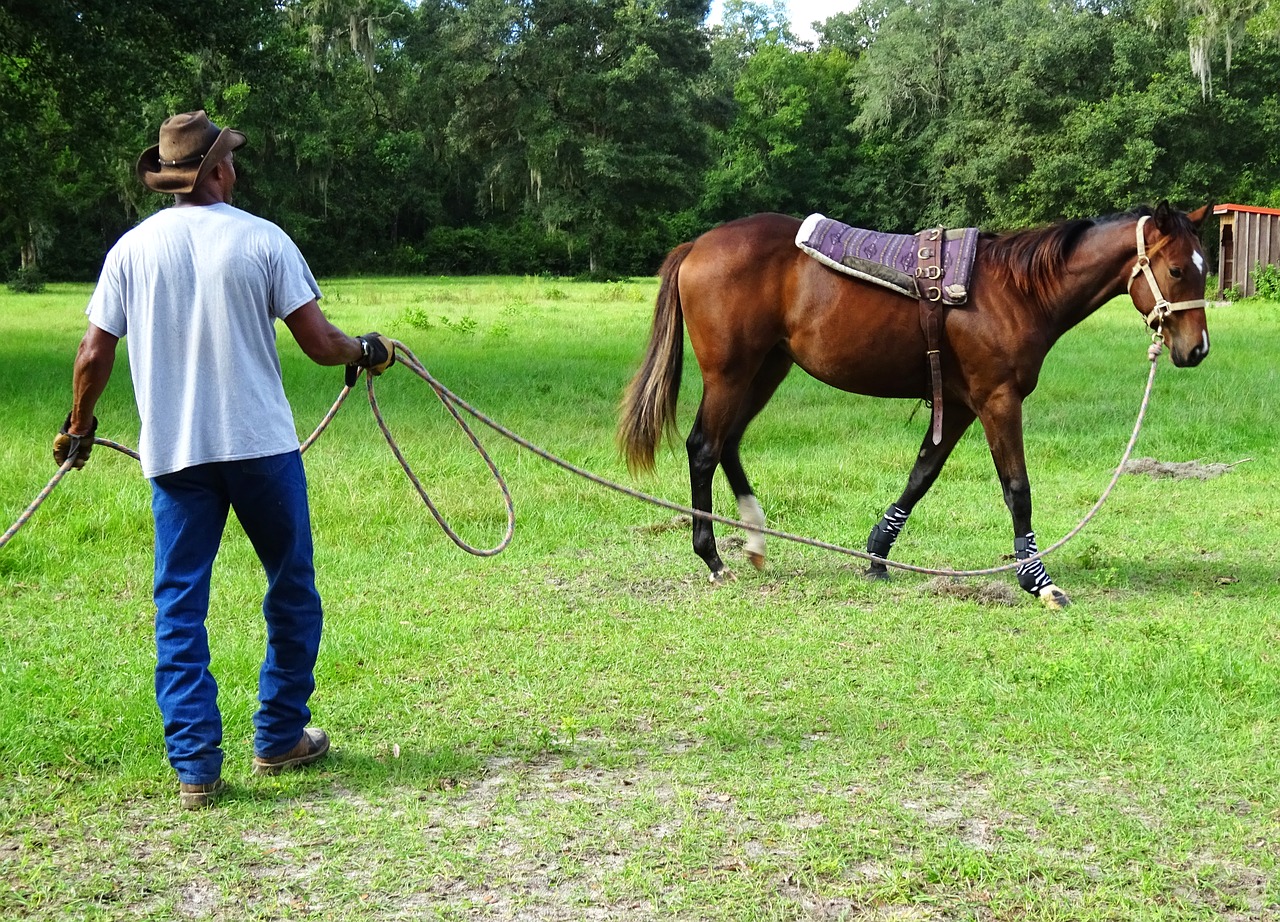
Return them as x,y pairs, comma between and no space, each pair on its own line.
1189,355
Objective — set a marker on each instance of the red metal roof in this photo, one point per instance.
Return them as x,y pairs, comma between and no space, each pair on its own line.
1250,209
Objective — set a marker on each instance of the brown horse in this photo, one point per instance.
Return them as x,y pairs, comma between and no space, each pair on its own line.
754,305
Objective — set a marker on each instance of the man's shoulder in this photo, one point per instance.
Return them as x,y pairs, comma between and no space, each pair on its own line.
247,222
137,238
232,213
220,213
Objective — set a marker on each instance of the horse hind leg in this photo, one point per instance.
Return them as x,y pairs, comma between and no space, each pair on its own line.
763,386
726,410
749,509
704,445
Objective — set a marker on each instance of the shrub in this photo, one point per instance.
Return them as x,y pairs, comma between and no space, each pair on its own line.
464,325
622,291
1266,280
416,317
28,280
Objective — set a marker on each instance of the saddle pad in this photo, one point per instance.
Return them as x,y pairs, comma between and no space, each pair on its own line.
888,259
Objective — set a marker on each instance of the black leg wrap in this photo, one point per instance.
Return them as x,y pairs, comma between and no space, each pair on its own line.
886,531
1031,576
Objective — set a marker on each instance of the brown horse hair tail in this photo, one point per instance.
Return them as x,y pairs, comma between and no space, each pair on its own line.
649,404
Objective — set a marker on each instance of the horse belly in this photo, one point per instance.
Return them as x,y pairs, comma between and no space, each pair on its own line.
871,375
860,340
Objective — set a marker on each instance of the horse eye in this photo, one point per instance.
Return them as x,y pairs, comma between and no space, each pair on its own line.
1175,272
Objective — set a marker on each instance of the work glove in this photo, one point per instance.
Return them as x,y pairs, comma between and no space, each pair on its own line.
379,355
65,444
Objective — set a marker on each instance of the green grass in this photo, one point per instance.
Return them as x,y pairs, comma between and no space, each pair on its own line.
583,728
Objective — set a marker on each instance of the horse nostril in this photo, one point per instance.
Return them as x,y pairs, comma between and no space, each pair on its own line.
1198,354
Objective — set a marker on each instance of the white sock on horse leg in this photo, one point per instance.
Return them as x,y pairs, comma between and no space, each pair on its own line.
749,511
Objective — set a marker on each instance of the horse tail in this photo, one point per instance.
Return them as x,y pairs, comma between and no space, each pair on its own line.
649,404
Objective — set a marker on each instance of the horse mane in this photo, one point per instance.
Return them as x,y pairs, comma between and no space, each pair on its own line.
1032,261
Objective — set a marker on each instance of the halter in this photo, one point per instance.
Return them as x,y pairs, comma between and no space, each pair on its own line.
1163,307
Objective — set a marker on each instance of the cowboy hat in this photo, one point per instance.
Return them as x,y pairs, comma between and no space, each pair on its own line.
190,146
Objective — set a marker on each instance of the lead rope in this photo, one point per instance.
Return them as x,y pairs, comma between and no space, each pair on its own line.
453,403
416,367
451,399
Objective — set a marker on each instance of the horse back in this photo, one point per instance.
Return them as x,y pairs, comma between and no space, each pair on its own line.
746,289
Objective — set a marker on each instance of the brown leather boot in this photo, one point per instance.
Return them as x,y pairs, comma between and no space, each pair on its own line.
200,796
313,746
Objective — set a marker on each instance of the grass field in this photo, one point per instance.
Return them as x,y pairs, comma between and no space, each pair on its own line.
581,728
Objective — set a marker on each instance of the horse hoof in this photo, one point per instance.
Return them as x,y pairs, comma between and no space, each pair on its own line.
757,560
878,573
721,577
1054,598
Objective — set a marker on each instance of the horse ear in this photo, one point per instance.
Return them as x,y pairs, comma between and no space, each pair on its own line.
1198,216
1163,215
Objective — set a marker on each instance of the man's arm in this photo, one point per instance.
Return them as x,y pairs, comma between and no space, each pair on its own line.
320,340
325,344
94,360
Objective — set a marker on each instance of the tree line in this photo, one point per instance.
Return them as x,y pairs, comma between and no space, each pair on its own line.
590,136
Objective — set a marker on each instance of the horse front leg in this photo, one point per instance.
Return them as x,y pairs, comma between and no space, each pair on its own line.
955,422
1003,425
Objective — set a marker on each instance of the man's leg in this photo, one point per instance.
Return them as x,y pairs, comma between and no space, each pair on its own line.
190,512
269,496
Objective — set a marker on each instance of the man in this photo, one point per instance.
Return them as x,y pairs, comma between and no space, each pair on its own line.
196,289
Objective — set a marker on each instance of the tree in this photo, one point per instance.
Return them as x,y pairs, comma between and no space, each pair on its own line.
542,135
346,107
582,113
789,144
75,82
1216,27
1028,111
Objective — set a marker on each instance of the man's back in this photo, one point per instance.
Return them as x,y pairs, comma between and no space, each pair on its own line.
197,290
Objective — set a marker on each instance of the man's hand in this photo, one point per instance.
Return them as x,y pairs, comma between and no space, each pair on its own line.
66,444
379,355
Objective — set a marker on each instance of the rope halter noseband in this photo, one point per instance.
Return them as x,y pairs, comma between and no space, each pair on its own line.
1163,307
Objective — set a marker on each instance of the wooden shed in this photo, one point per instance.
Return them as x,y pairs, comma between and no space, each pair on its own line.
1248,238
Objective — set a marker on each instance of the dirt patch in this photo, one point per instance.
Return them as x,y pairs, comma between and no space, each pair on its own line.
1178,470
676,523
1235,893
984,593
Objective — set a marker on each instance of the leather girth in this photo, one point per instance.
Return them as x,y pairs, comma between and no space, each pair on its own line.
929,290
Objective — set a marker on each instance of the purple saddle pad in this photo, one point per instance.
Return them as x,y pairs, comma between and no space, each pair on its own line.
888,259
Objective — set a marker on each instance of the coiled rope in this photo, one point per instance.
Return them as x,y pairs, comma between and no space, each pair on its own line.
453,403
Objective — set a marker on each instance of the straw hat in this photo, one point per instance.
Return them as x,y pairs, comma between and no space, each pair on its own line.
190,146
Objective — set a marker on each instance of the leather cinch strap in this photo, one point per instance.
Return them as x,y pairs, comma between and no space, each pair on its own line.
929,270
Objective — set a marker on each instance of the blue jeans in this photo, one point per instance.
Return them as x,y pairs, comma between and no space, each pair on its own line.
269,496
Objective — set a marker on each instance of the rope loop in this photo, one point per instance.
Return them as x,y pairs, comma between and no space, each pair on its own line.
410,361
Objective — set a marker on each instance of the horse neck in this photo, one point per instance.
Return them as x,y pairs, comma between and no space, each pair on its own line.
1097,271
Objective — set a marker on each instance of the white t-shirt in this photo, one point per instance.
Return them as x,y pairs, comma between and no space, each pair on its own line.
197,290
